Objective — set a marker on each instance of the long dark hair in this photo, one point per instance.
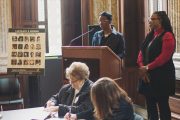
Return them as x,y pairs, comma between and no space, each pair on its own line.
105,96
164,19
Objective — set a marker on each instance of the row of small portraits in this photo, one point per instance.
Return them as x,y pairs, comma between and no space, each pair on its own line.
26,38
25,54
26,46
25,62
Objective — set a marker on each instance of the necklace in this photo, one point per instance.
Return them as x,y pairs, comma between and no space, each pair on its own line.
106,35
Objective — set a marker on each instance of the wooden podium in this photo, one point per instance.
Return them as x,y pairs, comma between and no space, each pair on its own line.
101,60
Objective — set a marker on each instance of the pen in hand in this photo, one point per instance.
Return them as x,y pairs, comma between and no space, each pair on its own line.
50,115
47,117
70,112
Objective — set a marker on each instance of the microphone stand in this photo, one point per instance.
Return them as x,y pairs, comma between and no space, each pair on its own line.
81,36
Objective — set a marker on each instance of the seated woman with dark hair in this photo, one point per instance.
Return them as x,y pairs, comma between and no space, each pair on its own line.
75,96
110,103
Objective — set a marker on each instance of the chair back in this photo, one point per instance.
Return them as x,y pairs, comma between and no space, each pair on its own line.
9,86
10,93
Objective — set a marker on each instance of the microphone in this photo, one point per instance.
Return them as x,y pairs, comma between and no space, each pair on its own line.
72,42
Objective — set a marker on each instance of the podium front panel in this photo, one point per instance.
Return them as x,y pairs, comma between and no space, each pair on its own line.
93,64
101,60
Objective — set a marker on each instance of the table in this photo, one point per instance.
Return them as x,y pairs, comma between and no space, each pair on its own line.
27,114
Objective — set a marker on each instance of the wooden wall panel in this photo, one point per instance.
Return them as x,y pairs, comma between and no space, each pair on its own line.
24,13
134,27
71,20
85,19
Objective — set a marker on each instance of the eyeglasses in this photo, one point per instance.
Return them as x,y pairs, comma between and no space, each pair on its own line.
153,19
72,79
103,21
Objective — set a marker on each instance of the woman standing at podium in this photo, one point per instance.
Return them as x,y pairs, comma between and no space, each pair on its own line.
108,36
75,96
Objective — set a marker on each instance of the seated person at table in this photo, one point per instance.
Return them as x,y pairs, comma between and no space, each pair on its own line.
110,103
75,96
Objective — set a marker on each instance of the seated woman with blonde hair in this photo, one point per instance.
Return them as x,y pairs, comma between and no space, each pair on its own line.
110,102
75,96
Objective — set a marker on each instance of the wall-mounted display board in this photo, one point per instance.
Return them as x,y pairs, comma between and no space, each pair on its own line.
26,52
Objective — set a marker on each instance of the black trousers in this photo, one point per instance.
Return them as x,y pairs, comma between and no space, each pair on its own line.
158,106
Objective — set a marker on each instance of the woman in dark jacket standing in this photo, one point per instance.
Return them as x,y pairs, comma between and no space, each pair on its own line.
156,66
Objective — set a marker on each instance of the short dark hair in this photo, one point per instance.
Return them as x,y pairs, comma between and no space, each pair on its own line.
107,15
